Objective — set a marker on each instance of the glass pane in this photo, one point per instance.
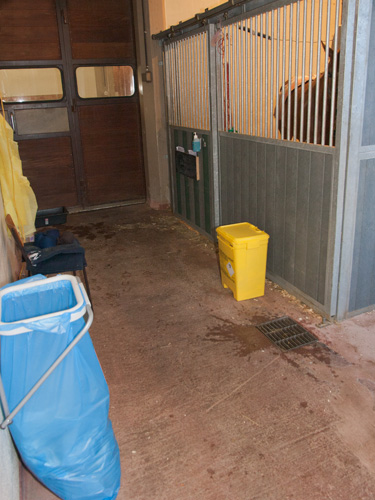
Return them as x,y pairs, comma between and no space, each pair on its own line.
105,81
31,84
41,121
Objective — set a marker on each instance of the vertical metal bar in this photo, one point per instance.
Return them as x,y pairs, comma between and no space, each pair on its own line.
317,103
199,82
167,82
214,174
190,87
325,89
178,90
188,82
272,83
290,70
301,138
261,78
181,72
283,75
233,100
256,58
296,73
277,74
334,75
242,65
251,78
207,87
193,72
266,79
237,77
225,89
174,82
247,75
309,119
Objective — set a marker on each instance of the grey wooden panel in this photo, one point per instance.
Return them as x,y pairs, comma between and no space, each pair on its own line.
252,181
314,224
362,290
325,226
368,136
261,184
302,219
291,231
289,194
280,196
270,211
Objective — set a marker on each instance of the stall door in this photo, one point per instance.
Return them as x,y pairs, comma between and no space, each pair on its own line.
67,77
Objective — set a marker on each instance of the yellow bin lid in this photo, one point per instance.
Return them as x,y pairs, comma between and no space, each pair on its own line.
241,234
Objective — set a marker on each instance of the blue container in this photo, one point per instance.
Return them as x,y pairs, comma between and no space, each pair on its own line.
63,433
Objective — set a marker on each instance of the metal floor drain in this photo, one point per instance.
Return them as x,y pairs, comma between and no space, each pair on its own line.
286,333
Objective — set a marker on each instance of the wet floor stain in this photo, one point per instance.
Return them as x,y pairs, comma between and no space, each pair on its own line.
246,339
323,354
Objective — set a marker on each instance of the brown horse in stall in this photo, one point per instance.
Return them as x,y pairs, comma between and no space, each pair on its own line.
304,88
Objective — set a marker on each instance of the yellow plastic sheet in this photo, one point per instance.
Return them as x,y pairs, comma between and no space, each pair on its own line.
18,196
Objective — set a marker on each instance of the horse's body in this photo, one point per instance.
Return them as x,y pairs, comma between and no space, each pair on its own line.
312,110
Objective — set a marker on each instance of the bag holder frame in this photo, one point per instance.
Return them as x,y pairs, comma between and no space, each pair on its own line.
82,307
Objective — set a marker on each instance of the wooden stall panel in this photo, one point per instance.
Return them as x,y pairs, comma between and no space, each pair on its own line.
101,30
48,164
112,152
28,30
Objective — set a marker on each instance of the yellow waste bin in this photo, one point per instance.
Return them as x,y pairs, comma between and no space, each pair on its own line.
243,257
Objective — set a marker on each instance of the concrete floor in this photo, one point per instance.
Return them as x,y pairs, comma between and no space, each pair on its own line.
202,405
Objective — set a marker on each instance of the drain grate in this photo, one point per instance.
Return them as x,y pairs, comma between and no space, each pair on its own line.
286,333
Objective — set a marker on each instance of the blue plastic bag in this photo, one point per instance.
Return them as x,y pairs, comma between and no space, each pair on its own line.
63,433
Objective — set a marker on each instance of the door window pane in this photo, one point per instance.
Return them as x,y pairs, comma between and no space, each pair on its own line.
41,121
105,81
31,84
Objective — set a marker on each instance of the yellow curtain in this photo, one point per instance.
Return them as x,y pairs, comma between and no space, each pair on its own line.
18,196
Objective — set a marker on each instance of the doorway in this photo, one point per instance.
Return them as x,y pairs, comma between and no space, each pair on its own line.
68,82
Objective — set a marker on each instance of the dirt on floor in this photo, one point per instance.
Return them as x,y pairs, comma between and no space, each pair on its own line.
203,406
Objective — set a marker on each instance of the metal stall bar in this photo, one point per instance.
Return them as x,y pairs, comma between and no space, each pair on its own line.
309,103
242,76
325,87
268,92
289,119
256,77
260,35
283,74
317,85
334,76
211,67
302,110
277,74
252,62
296,74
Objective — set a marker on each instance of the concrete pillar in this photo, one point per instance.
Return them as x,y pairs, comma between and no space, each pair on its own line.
148,20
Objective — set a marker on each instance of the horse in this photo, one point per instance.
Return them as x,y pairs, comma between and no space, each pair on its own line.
303,88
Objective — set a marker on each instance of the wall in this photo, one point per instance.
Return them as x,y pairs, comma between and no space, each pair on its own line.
176,11
9,465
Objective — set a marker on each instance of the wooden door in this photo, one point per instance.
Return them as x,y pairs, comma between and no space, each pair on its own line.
78,149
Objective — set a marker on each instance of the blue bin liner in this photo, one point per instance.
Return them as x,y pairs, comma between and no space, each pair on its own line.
63,433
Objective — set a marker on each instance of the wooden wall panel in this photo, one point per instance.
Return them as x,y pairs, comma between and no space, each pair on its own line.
28,30
112,152
48,164
286,192
100,30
